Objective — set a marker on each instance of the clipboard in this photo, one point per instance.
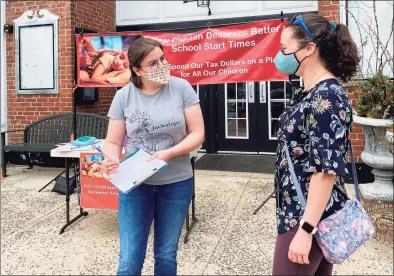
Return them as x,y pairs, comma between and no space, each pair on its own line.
134,169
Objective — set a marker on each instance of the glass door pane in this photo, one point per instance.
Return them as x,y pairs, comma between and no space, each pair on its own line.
236,103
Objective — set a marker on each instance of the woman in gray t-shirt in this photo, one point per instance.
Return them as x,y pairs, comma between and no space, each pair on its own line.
161,115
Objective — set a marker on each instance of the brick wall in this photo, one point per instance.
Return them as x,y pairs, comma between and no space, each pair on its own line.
357,135
98,16
331,11
24,109
94,15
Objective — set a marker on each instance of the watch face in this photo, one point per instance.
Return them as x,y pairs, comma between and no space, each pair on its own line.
307,227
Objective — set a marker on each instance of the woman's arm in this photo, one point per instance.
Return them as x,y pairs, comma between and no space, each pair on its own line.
83,75
320,189
86,41
113,146
319,192
195,137
115,137
98,72
195,128
122,77
114,77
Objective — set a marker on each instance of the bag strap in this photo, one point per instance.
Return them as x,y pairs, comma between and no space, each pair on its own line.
354,172
297,186
293,176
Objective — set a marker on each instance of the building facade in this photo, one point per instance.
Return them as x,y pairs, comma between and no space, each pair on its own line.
240,117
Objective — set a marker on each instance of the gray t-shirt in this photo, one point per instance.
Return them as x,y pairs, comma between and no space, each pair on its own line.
157,122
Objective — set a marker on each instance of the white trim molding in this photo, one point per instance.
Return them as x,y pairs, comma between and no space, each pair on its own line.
36,49
3,70
342,12
249,88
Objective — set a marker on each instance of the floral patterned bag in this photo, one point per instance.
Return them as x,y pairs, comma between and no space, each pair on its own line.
342,233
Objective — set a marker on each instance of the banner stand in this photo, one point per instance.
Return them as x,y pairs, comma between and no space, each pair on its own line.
189,226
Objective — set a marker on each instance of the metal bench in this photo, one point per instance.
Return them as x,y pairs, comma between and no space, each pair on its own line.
44,134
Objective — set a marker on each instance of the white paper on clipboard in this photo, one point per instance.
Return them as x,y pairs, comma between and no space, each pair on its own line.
134,170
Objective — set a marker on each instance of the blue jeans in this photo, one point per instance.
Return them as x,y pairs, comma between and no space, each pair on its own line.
168,206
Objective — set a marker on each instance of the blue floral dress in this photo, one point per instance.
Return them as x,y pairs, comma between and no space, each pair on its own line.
316,126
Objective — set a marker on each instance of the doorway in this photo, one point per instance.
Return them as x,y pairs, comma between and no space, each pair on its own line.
248,115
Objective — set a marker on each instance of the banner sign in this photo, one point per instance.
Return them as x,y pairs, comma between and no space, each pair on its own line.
96,191
237,53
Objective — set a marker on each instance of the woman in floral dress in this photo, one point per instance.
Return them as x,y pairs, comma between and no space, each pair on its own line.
316,126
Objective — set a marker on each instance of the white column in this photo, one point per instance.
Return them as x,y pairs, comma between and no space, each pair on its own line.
342,11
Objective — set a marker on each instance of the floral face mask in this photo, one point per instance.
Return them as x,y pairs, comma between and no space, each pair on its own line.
161,74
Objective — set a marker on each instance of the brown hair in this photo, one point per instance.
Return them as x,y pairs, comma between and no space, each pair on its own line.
336,46
136,54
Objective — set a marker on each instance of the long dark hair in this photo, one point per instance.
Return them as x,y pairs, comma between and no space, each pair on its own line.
137,52
335,44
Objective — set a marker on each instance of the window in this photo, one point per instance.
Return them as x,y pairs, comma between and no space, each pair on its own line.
236,110
279,95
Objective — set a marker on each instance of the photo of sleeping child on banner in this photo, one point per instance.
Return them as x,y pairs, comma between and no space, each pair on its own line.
103,60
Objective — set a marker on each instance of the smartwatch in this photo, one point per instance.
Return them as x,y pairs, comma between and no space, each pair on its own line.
307,227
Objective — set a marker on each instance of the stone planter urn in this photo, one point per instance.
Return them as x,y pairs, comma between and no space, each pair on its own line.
390,137
377,155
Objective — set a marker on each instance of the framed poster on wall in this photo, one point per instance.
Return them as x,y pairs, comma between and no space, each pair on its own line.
36,43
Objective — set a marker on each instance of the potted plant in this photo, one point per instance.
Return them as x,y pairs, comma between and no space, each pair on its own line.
374,109
374,112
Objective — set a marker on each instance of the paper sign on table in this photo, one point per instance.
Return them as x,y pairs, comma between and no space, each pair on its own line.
96,191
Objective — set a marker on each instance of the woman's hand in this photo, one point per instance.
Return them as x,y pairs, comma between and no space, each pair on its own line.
86,60
164,155
110,167
87,43
300,247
